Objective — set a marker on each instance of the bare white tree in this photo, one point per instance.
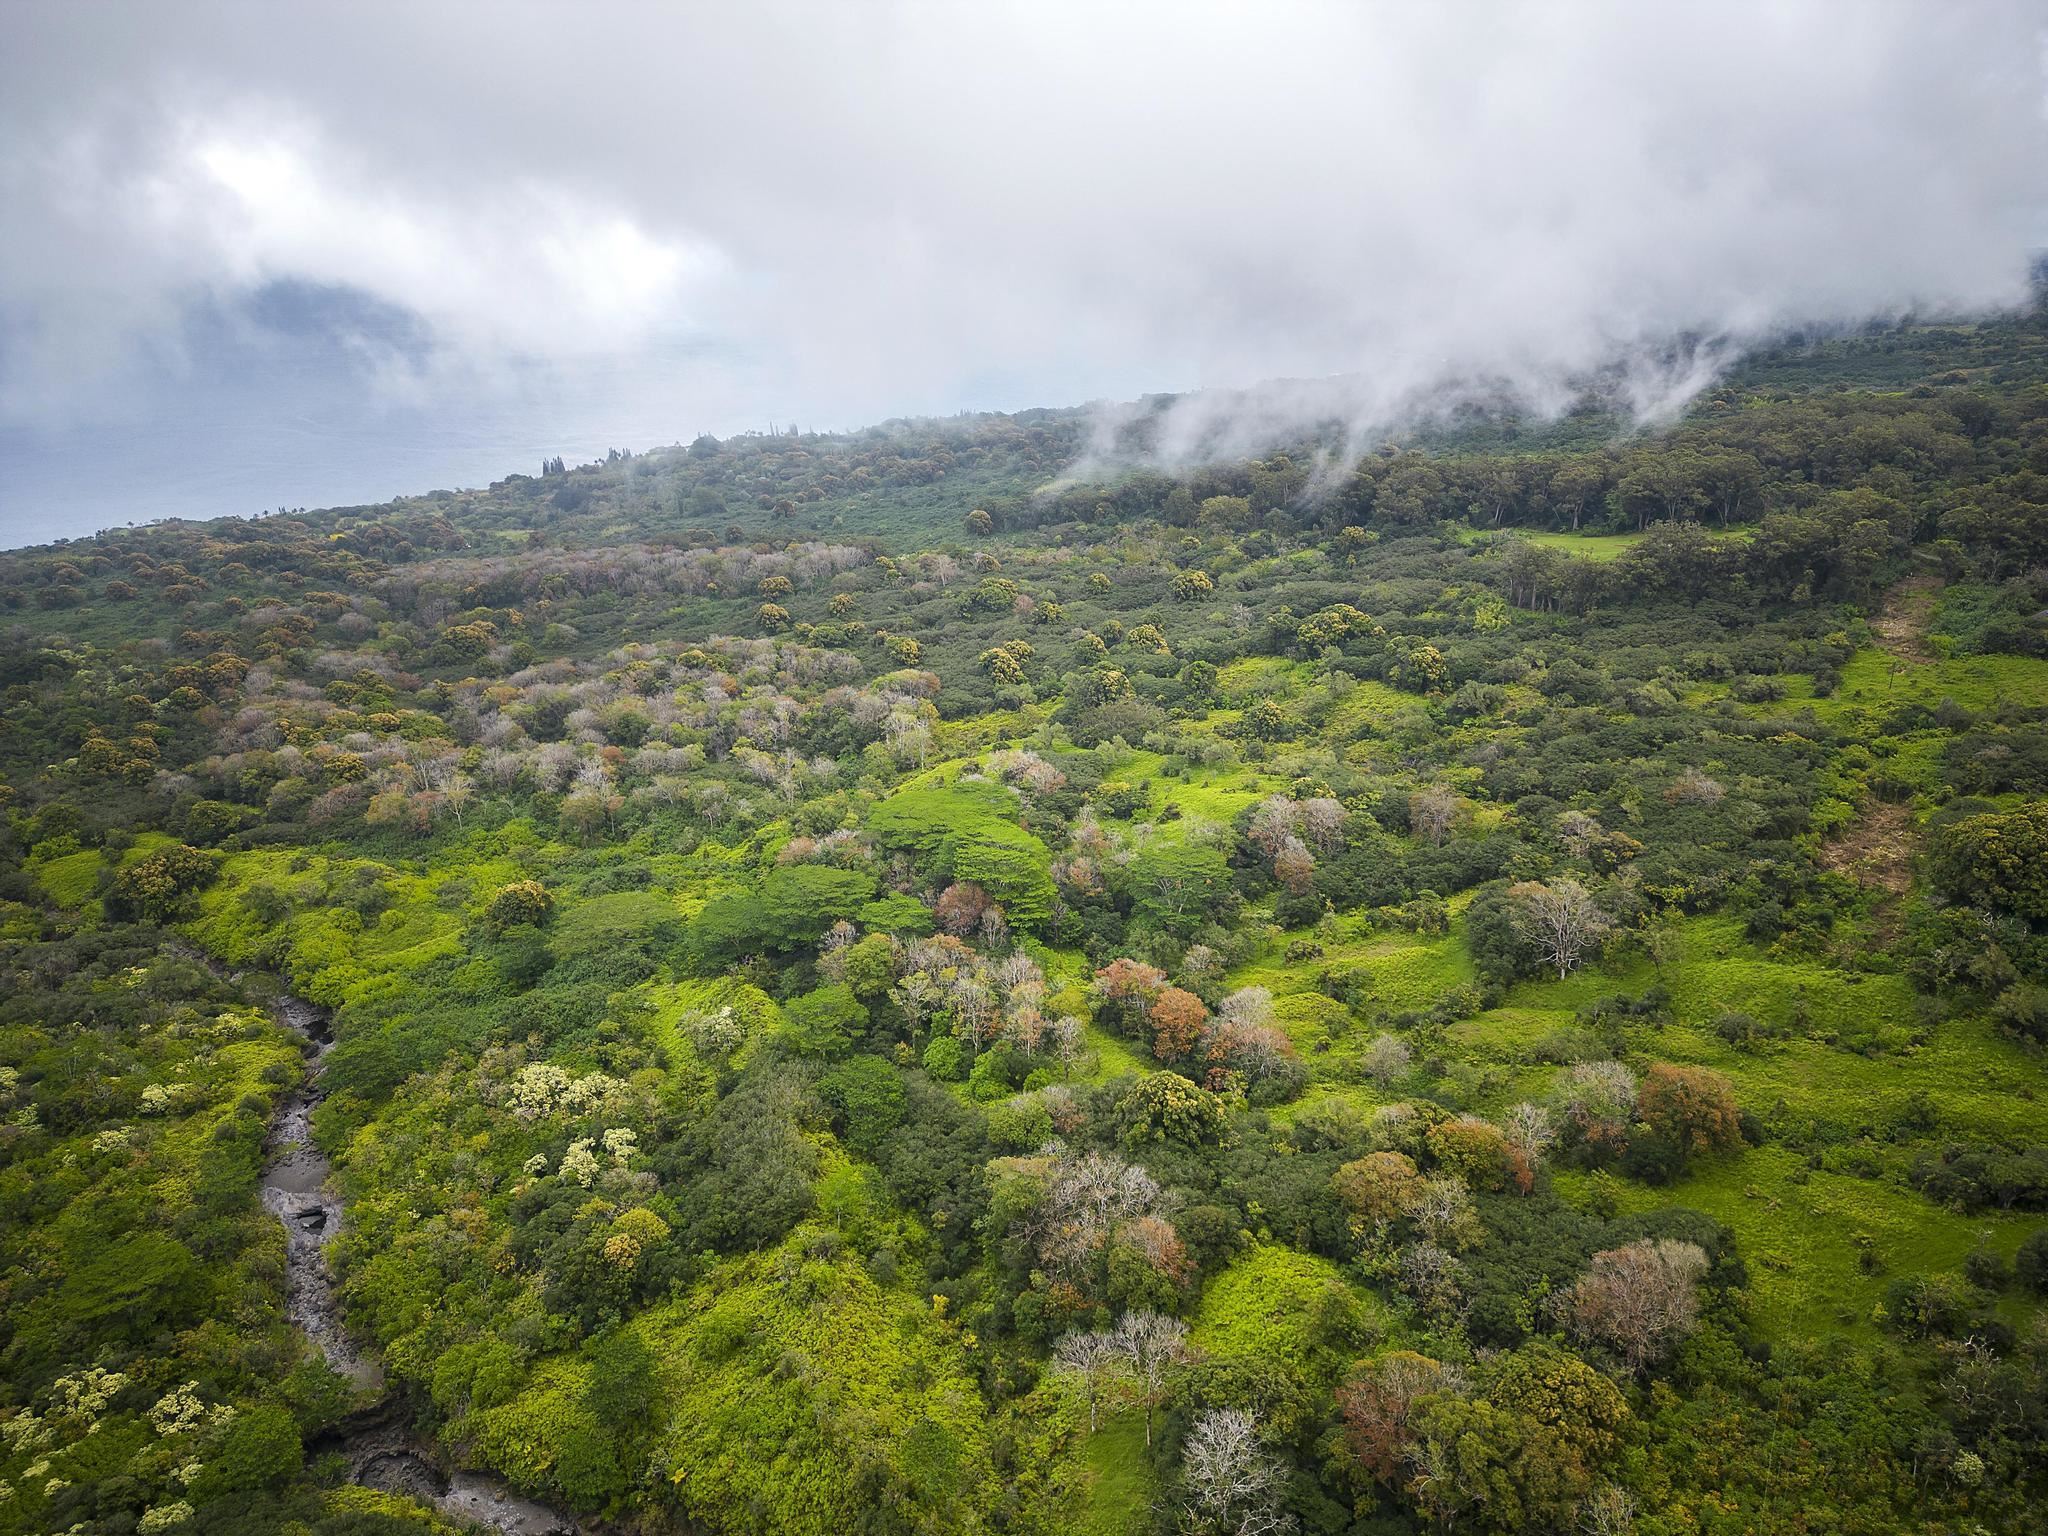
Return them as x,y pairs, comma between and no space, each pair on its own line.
1608,1511
1386,1059
1640,1300
1087,1198
1561,919
1066,1035
1322,824
917,996
1694,788
1530,1132
1096,1361
1233,1483
1443,1211
1155,1345
974,1007
1432,1276
1579,831
1200,964
1249,1005
1275,821
1431,812
1599,1098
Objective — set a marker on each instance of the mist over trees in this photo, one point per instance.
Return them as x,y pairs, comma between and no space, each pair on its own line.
863,995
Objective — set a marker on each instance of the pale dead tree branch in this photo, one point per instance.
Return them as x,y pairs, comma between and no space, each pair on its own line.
1233,1483
1155,1345
1639,1300
1096,1361
1561,919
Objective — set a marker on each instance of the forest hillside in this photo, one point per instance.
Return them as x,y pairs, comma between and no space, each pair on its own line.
876,982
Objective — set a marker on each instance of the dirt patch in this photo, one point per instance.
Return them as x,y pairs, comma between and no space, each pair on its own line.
1902,623
1876,852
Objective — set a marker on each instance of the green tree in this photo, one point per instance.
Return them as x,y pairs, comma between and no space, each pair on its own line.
1164,1106
867,1100
870,966
1179,885
157,886
1998,857
823,1022
1525,1453
260,1449
523,901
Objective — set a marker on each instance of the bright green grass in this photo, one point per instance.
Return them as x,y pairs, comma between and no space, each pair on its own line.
1408,971
335,956
1802,1234
1917,759
1875,683
958,738
1201,794
1718,970
1801,1231
1252,678
69,878
1121,1484
1371,705
1602,548
1110,1056
674,1000
1974,1076
144,845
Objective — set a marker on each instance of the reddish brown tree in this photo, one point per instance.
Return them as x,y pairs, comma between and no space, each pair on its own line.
1294,867
1692,1107
1129,986
961,907
1177,1019
1375,1404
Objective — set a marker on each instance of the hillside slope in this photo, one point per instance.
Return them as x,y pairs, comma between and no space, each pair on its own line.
877,988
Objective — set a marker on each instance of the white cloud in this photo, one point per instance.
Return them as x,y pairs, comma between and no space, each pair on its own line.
216,208
530,268
848,212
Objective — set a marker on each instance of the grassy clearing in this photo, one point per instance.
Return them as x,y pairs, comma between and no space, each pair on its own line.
1855,1065
998,728
674,1001
1251,678
1199,794
1408,971
1876,682
1370,706
70,877
1107,1057
1121,1485
1600,548
336,953
1804,1232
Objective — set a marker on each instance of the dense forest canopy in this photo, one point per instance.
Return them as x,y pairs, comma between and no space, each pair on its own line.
878,984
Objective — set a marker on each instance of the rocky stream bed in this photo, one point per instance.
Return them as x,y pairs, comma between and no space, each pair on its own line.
381,1448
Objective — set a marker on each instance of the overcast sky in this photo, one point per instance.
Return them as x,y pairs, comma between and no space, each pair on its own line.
259,254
